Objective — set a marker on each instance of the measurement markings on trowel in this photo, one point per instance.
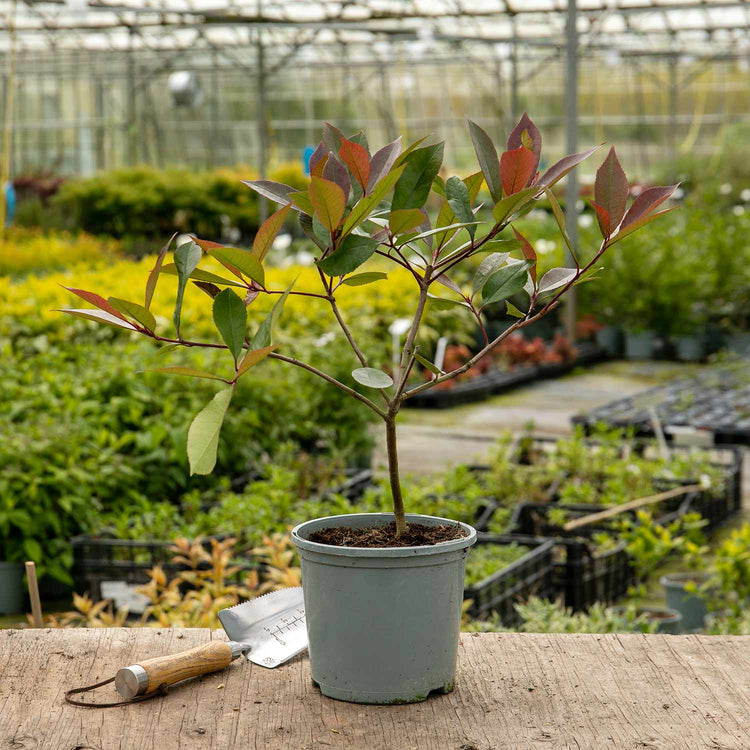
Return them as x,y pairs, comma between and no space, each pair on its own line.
287,625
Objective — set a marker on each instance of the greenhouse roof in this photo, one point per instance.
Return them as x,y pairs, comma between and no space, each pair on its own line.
637,27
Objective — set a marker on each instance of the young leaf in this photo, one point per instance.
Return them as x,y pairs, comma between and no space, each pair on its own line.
382,162
405,220
447,282
505,282
166,349
267,233
438,185
230,318
334,171
555,278
96,300
320,165
275,191
186,259
532,136
252,358
443,303
328,200
414,185
359,279
459,201
135,311
332,137
431,366
154,275
508,206
558,170
177,370
372,378
203,434
404,155
528,253
602,219
366,204
511,309
320,152
488,161
361,140
356,158
210,289
438,230
646,202
350,255
100,316
235,259
264,333
637,224
486,268
610,193
201,275
516,170
307,226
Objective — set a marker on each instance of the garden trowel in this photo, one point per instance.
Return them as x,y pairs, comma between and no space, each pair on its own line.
268,631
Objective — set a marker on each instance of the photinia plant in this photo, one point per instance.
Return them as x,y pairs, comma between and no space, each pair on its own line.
344,211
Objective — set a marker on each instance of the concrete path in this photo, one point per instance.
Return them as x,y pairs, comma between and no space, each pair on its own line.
431,440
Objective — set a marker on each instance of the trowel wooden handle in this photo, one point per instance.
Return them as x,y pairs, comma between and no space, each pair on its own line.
149,675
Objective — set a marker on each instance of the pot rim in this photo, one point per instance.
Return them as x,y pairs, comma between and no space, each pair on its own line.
679,579
451,545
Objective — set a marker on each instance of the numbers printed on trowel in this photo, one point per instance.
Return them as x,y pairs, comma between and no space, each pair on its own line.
287,624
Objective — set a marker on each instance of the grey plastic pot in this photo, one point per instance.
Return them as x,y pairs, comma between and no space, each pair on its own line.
12,594
609,338
382,624
692,608
690,348
640,345
668,620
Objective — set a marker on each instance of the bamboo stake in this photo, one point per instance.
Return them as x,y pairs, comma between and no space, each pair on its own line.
637,503
36,602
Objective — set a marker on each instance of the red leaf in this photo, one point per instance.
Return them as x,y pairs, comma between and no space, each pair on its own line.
355,157
335,171
268,232
97,301
611,191
603,219
561,168
154,275
316,157
205,245
528,253
320,165
328,201
637,224
516,169
515,139
646,202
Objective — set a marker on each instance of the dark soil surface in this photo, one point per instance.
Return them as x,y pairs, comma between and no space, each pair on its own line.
416,535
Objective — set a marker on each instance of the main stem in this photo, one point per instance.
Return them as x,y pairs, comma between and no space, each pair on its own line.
398,500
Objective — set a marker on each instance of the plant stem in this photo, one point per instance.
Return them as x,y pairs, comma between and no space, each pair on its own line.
361,357
407,355
398,500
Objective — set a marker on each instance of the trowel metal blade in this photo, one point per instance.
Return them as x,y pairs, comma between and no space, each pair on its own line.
273,625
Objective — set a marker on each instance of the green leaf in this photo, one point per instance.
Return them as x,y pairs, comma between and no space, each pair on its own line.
275,191
488,161
555,278
372,378
135,311
166,349
508,206
33,549
100,316
420,170
230,318
307,223
505,282
242,260
511,309
263,335
186,259
405,220
437,230
637,224
365,205
302,202
328,200
486,268
201,275
350,255
404,155
154,275
203,434
611,193
267,233
442,303
458,199
252,358
431,366
177,370
359,279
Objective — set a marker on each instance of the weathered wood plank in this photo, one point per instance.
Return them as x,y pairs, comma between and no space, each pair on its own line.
514,691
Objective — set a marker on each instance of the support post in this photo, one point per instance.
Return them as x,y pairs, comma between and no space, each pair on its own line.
571,142
672,135
131,136
262,122
10,87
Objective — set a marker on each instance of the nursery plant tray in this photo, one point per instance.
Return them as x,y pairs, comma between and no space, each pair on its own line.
530,575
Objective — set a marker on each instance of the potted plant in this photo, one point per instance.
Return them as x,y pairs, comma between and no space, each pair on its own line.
383,591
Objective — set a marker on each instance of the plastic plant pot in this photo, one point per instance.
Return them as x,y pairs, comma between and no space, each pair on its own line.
668,620
609,338
690,348
383,624
640,345
12,594
692,607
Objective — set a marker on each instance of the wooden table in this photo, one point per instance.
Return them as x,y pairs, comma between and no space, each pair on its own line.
513,691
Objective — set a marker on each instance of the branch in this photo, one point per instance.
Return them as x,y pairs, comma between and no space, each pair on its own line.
331,380
361,357
407,354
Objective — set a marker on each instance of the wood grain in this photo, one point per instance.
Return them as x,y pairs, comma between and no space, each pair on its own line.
514,690
168,670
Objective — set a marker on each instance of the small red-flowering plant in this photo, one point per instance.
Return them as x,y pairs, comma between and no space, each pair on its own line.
345,212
